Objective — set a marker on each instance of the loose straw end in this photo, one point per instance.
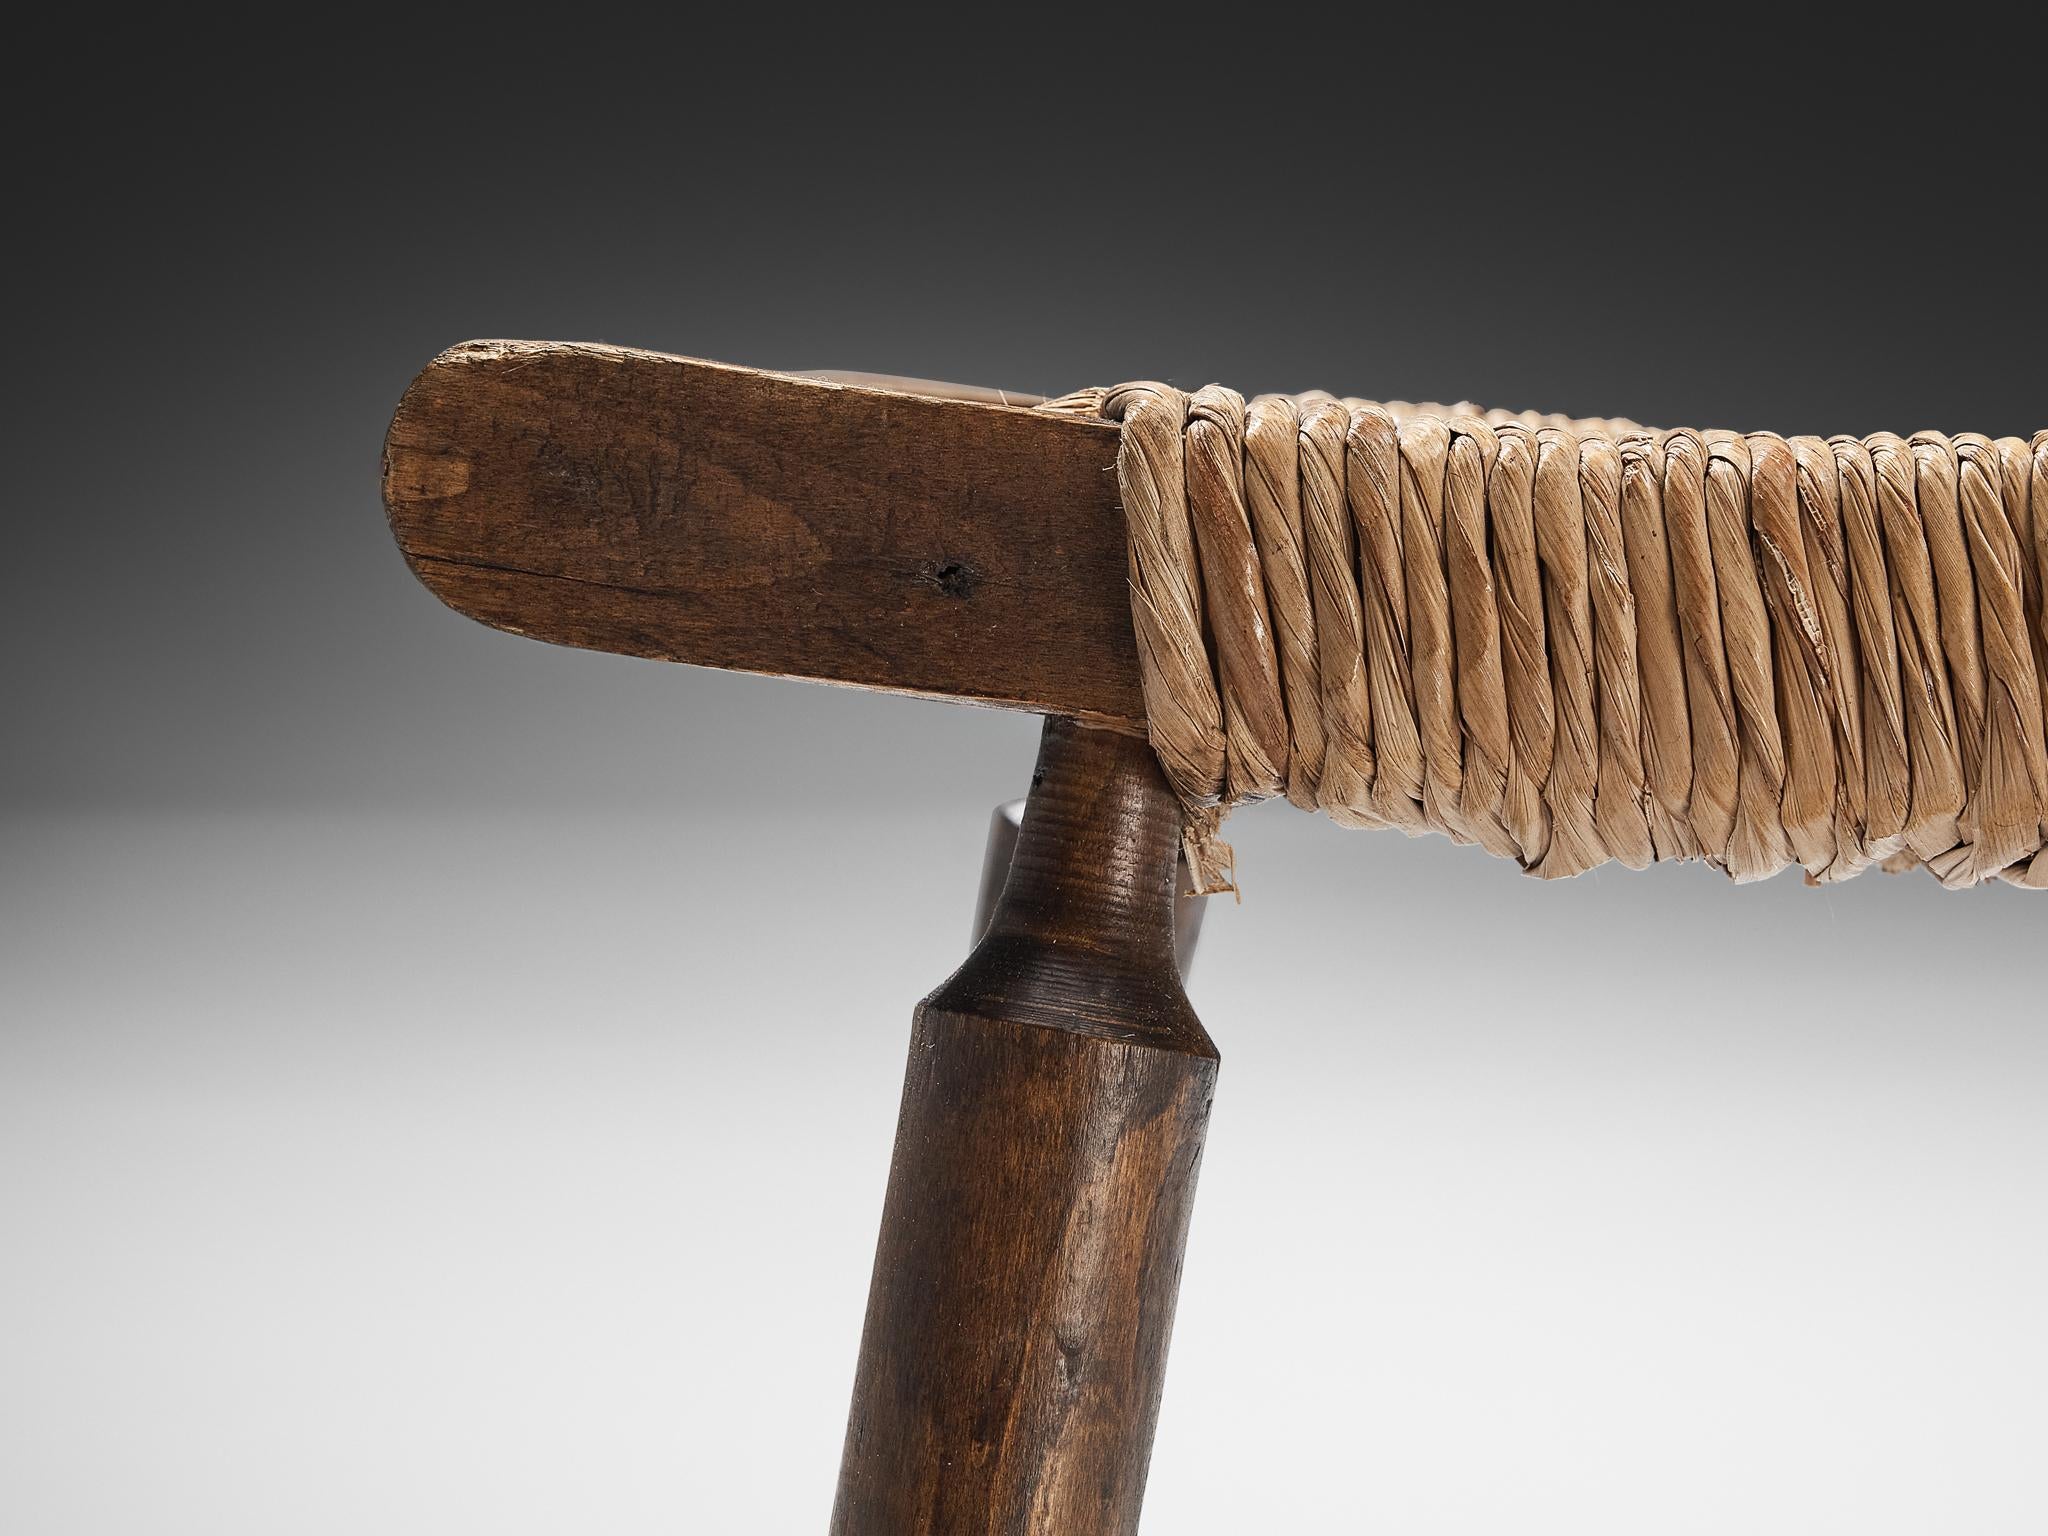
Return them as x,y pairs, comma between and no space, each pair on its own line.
1212,863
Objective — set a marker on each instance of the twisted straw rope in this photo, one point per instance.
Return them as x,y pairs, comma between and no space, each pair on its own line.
1574,641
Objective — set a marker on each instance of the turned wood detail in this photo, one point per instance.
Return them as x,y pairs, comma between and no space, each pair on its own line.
1044,1170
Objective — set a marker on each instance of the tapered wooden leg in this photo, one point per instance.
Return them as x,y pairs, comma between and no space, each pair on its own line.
1044,1171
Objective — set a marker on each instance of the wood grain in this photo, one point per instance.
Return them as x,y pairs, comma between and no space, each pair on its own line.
657,506
1044,1172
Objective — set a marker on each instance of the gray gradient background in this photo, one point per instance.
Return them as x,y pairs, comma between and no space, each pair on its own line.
446,1082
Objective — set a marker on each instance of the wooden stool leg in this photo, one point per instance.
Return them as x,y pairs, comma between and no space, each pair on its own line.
1044,1171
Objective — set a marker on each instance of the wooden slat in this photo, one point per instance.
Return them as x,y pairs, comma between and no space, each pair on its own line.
658,506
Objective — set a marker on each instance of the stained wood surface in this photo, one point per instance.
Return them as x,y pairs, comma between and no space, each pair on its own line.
657,506
1004,824
1044,1172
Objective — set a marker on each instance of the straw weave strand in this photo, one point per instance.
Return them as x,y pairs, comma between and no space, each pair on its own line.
1575,641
